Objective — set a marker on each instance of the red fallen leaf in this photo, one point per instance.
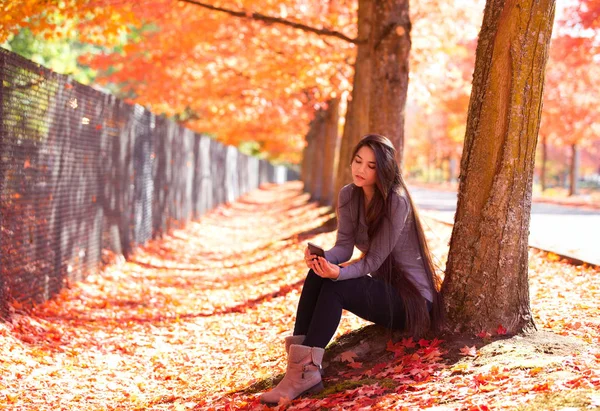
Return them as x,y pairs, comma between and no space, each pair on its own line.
408,342
397,349
484,334
435,342
355,365
401,389
470,351
431,354
98,126
378,368
424,343
283,401
348,356
501,330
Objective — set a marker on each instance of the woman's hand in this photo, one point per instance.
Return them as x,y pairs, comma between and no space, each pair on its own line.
325,269
320,266
309,259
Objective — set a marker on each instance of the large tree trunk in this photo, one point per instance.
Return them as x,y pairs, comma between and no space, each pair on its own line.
332,118
574,170
390,42
357,113
486,282
380,79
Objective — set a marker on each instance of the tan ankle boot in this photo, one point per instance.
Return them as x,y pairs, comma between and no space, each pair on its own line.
302,375
298,340
293,339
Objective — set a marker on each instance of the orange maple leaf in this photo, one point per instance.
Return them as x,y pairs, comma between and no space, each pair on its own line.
348,356
470,351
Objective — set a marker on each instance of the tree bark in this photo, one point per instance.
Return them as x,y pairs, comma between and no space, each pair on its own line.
317,130
390,42
544,160
332,118
357,113
574,170
486,282
310,159
305,171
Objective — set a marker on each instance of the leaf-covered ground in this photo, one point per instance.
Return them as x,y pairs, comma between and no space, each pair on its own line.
197,319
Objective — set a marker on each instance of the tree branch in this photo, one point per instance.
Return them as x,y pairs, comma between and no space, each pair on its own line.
278,20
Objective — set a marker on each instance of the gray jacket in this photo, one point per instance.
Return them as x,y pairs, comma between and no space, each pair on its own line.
398,236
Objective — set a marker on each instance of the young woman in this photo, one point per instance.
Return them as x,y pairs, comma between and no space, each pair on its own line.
394,284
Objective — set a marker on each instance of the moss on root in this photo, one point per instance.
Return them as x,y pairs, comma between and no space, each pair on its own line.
342,386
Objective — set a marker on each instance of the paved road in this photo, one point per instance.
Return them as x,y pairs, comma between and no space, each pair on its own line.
566,230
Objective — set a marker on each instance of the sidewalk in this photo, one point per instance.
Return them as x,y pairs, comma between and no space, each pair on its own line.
585,201
565,227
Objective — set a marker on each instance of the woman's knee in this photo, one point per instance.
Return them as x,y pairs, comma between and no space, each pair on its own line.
333,288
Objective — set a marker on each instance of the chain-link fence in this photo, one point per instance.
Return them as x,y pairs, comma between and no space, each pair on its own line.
81,171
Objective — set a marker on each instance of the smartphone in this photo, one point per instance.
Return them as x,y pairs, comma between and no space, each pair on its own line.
316,250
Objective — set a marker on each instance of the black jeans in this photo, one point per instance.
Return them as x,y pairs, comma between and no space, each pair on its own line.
322,300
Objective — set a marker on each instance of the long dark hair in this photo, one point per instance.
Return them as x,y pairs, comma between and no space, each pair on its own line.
389,180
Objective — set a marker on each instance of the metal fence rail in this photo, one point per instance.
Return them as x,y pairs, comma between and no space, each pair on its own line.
81,171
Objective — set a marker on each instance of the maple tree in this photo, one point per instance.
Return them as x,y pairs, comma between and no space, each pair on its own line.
251,78
243,79
246,81
436,126
570,120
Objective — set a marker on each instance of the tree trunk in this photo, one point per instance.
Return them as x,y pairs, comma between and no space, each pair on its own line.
357,113
310,155
544,160
332,118
305,170
380,79
574,170
486,282
390,40
317,129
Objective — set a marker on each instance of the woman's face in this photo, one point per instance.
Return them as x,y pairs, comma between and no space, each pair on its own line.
363,168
